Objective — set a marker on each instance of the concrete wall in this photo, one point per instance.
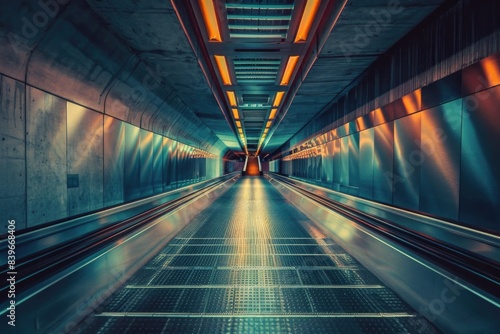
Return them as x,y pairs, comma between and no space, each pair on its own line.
85,154
12,152
59,159
114,161
46,160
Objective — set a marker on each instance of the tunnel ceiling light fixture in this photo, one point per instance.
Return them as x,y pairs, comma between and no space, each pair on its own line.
238,124
278,98
306,21
236,114
223,70
210,18
232,98
268,124
273,113
290,67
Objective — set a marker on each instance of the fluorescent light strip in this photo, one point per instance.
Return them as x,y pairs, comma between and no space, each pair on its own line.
273,113
290,67
232,98
210,18
278,98
255,27
242,35
236,115
256,81
259,6
307,19
223,70
259,17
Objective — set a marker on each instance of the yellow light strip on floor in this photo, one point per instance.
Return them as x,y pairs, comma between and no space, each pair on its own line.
210,18
290,67
278,98
307,19
223,70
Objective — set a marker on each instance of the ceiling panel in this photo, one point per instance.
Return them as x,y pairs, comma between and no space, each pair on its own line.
258,39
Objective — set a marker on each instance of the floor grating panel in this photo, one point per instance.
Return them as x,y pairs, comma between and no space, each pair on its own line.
252,263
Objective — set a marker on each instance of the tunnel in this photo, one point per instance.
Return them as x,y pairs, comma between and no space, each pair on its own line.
250,166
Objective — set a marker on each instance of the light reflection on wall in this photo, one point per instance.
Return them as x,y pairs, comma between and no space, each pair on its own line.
442,161
491,69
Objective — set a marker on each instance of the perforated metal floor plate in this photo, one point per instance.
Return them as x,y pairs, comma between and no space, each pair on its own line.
249,264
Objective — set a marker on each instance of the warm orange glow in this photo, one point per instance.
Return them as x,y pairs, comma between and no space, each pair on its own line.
223,70
236,115
240,131
307,20
278,98
378,116
252,169
360,123
268,125
412,102
232,98
492,71
238,124
290,67
266,130
273,113
210,18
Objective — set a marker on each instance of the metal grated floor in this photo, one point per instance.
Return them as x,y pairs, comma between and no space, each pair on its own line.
251,263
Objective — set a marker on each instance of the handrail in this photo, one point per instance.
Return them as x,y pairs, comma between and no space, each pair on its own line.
476,269
47,262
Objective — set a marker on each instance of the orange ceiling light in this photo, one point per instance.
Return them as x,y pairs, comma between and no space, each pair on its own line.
238,124
210,18
268,124
307,20
290,67
278,98
273,113
232,98
236,115
223,70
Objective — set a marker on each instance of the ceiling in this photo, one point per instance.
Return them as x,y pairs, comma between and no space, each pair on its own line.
283,60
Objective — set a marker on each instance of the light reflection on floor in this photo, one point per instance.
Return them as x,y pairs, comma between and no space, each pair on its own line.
252,263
